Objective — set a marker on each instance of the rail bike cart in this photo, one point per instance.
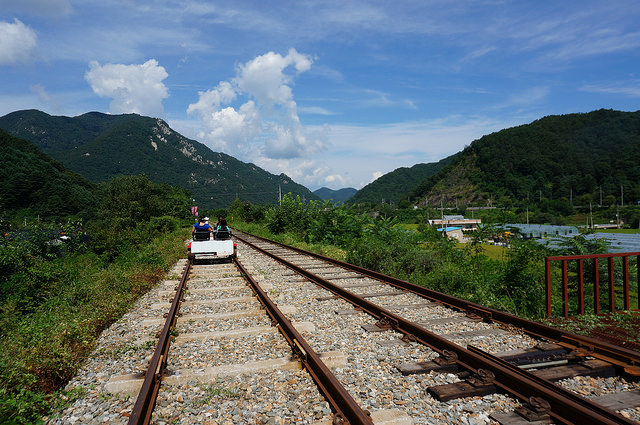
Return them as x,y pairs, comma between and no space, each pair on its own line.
205,247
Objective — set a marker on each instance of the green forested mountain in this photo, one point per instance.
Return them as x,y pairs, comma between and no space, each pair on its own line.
395,185
100,146
31,180
56,135
340,195
575,156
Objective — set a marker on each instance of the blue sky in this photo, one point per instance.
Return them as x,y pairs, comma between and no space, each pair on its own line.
332,93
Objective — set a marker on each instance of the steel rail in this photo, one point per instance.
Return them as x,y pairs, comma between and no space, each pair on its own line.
143,407
340,400
512,376
523,385
619,356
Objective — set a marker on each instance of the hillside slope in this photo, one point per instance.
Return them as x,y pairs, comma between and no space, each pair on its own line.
100,146
31,180
395,185
566,156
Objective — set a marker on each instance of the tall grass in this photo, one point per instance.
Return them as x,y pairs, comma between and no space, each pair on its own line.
46,333
512,283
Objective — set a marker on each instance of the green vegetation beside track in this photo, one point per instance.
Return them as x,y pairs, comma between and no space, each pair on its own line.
53,312
58,294
509,280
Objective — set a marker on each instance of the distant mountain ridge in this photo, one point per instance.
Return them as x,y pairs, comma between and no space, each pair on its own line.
560,157
100,146
394,186
340,195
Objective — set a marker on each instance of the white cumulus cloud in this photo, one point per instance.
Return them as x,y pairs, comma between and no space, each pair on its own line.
267,124
17,42
211,100
228,126
132,88
264,77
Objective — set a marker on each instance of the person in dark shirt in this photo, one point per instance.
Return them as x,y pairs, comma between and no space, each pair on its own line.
222,224
222,230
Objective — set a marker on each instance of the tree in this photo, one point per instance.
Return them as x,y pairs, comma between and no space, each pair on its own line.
132,210
129,200
290,214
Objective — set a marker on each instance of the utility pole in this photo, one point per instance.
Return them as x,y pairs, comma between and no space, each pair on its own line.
622,195
279,194
600,195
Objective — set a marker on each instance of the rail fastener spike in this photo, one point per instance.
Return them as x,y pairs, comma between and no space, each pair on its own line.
387,323
479,384
585,351
339,419
383,323
479,314
537,409
409,338
482,378
447,357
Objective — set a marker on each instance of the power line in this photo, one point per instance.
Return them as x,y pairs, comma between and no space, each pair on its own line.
244,193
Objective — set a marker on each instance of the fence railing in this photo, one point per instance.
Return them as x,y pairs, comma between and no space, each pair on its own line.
616,286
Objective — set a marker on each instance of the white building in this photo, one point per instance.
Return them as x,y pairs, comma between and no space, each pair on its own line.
466,224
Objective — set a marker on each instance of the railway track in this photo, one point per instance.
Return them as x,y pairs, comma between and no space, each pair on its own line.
374,350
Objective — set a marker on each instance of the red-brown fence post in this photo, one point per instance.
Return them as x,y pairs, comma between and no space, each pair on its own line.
596,287
625,282
580,287
612,287
547,273
638,275
611,281
565,290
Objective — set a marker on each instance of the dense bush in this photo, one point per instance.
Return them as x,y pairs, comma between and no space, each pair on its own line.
513,284
61,285
58,308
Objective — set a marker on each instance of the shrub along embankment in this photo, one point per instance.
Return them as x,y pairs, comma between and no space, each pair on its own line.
53,307
421,256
